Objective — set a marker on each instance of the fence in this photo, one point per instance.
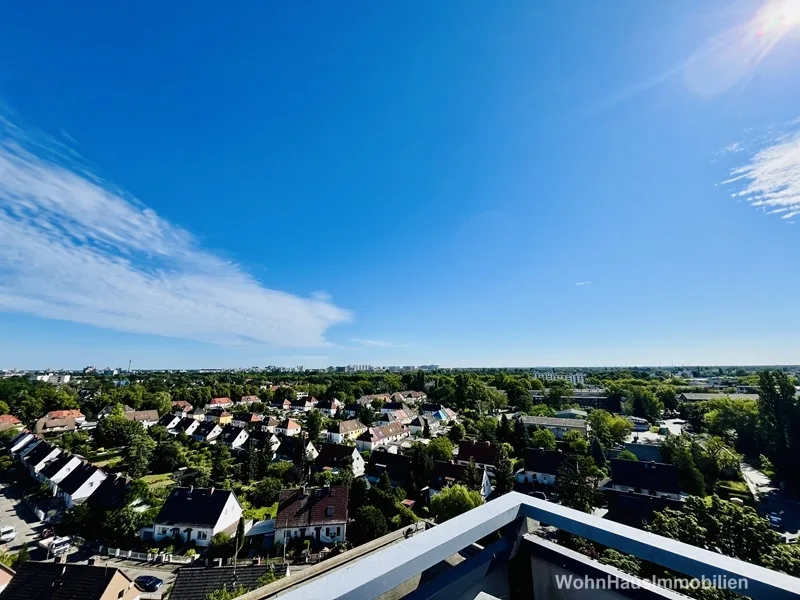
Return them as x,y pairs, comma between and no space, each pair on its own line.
146,556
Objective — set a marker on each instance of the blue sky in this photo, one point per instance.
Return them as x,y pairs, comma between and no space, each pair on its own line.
191,186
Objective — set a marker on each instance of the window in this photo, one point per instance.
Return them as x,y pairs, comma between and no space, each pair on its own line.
329,512
163,531
202,535
338,530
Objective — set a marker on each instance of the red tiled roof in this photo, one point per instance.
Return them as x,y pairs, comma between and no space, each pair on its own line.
219,401
480,452
9,420
250,399
63,414
312,507
289,424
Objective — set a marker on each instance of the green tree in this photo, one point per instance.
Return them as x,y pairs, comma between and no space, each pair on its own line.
441,448
453,501
667,396
456,433
574,483
358,495
779,423
473,476
503,474
368,524
220,463
160,401
504,431
543,438
575,442
598,456
426,430
168,456
138,455
313,425
627,455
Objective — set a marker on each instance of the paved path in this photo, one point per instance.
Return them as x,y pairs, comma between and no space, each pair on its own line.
13,512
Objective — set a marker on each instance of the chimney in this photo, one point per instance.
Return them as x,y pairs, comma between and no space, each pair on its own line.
212,490
91,562
217,562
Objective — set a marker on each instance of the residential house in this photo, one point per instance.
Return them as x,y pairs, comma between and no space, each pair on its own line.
6,574
208,432
571,413
181,407
399,416
111,493
409,396
81,483
262,439
107,411
289,449
438,412
328,407
187,425
9,422
220,403
64,414
249,400
638,489
364,400
396,466
51,425
198,582
351,410
483,454
558,426
26,446
233,437
316,513
381,436
19,442
394,406
195,515
284,405
541,466
68,581
301,404
220,416
269,424
448,473
147,418
39,456
334,457
343,431
198,414
249,420
55,471
695,397
417,425
288,428
171,421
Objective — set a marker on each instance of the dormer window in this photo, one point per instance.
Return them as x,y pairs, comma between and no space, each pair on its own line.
329,512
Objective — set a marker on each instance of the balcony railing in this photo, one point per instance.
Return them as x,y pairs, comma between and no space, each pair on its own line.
386,569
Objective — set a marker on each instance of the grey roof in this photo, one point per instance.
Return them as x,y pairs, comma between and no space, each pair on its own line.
652,476
77,478
698,397
201,507
54,466
204,429
59,581
38,454
348,426
538,460
196,583
110,495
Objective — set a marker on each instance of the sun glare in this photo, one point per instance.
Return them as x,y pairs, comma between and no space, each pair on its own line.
779,15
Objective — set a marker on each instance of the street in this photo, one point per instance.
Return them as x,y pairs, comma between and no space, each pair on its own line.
773,499
14,513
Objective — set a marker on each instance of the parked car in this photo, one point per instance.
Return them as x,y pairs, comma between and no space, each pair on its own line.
148,583
55,546
7,534
775,520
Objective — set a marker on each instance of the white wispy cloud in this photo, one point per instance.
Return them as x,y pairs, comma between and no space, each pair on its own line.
770,180
377,343
584,283
74,247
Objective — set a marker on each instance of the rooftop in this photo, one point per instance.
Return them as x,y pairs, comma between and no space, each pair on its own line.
305,507
193,506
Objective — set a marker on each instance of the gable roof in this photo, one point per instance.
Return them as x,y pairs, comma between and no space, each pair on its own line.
79,475
185,422
220,401
658,477
39,453
375,434
447,473
59,581
326,405
54,466
110,495
308,507
431,407
204,429
167,420
45,424
9,420
698,397
396,406
350,426
201,507
290,446
304,401
248,417
370,397
289,424
398,466
141,415
196,583
420,420
335,455
574,412
230,433
61,414
260,438
480,452
539,460
247,399
182,404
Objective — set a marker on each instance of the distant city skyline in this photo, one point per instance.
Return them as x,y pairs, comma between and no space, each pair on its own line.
280,184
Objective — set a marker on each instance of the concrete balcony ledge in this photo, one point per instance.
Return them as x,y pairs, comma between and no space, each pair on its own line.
385,573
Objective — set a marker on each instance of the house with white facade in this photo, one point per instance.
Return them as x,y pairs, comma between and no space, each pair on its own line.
19,442
81,483
170,421
195,515
63,414
39,456
333,457
375,437
343,431
249,420
318,514
269,424
417,425
220,403
288,428
329,408
233,437
289,449
447,473
541,466
186,425
207,431
55,471
147,418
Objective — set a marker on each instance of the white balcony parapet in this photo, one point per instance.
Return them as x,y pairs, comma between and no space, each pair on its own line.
386,569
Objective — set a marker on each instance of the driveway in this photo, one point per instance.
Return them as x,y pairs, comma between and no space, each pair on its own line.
772,499
13,512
